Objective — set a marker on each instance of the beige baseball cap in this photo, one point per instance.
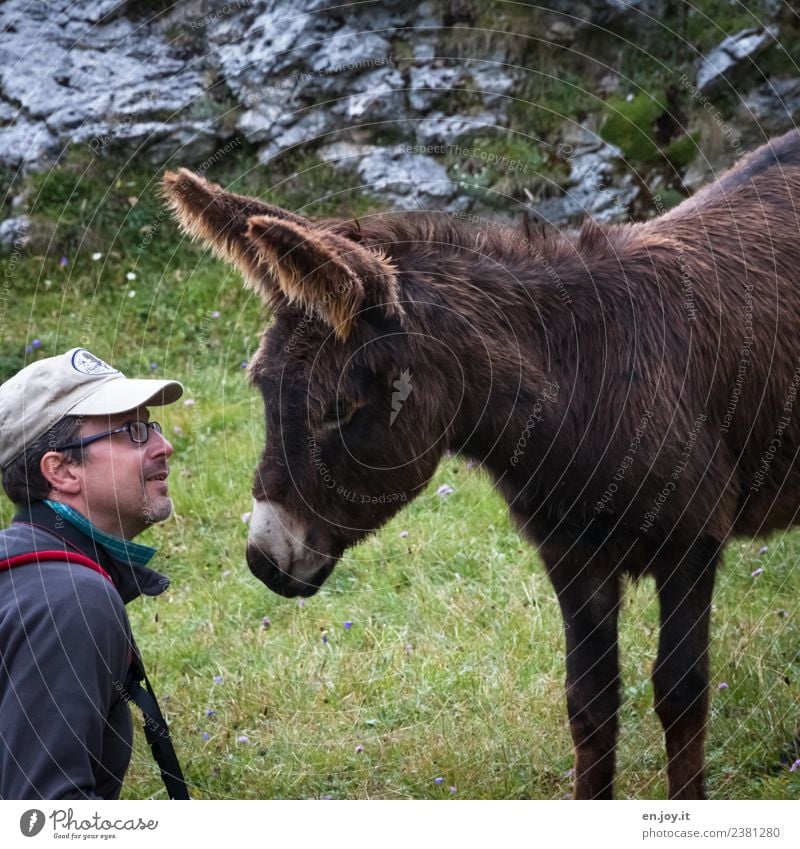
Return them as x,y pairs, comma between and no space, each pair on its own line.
74,384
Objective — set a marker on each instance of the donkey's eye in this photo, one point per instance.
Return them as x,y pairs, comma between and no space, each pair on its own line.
337,412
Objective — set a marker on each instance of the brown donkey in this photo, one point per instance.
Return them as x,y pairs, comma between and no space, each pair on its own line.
631,390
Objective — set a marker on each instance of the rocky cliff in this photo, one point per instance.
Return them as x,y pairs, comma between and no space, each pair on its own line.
565,108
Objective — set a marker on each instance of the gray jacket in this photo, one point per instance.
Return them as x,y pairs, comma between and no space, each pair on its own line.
65,653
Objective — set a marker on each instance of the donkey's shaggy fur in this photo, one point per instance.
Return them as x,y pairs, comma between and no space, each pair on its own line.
631,390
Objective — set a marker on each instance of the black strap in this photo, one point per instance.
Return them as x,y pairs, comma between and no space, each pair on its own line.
156,729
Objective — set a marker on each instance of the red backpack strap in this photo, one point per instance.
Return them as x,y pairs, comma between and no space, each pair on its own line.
64,556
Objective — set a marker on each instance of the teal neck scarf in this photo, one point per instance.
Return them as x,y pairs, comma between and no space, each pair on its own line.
120,549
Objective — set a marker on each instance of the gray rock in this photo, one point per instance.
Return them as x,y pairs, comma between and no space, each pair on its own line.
8,112
429,83
775,105
378,95
310,129
732,55
397,176
158,141
93,74
259,124
598,185
26,143
439,128
14,232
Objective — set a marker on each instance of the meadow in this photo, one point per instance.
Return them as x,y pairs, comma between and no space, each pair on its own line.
431,664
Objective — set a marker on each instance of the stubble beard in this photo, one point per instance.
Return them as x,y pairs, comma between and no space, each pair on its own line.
157,509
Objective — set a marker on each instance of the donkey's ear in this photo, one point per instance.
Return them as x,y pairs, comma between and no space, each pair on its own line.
326,273
219,218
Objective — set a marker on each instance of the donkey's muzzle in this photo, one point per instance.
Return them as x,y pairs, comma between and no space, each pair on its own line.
281,580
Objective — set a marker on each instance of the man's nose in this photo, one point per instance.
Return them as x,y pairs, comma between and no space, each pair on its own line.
160,444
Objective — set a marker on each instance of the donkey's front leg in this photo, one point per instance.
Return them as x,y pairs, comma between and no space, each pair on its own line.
589,599
680,677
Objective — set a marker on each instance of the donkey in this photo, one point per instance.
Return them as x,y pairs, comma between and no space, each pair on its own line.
630,389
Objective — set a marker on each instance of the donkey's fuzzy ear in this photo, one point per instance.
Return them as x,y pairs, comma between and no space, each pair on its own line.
324,272
220,219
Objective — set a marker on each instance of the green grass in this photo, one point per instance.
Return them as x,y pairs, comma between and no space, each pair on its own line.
454,664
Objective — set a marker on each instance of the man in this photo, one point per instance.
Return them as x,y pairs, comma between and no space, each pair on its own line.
87,470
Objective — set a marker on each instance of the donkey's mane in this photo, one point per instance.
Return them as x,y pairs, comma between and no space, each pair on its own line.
507,239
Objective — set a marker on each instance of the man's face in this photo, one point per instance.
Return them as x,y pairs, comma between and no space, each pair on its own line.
124,483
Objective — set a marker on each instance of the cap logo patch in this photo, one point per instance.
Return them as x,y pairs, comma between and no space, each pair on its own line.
86,363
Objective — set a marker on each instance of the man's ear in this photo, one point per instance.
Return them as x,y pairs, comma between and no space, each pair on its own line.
324,272
220,219
62,476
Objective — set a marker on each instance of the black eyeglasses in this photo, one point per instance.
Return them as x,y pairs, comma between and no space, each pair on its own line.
139,432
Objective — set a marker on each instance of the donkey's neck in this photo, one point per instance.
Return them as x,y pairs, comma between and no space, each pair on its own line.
499,308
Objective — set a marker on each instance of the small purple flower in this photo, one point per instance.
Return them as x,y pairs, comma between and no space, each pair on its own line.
29,349
244,363
63,262
266,623
795,766
445,489
756,572
217,679
242,739
359,749
763,549
470,465
723,685
453,790
206,735
325,638
216,314
438,780
210,712
348,625
153,366
403,534
37,343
